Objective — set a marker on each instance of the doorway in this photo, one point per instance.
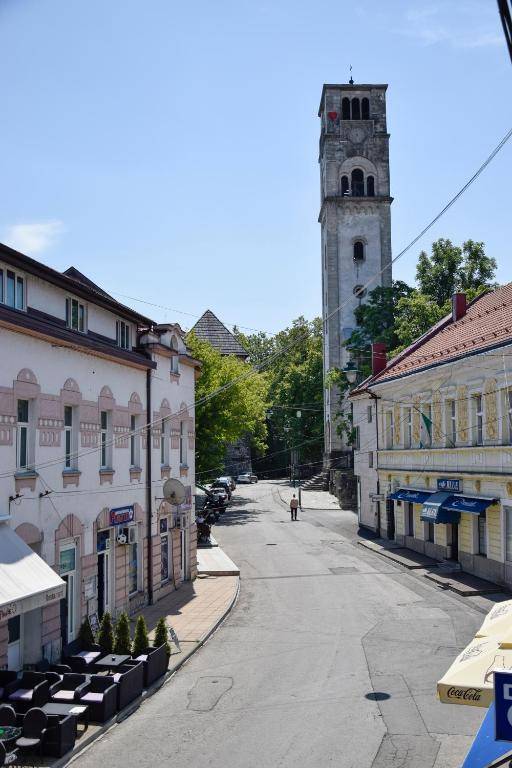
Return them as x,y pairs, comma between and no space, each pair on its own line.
390,515
182,553
68,608
104,569
454,542
14,647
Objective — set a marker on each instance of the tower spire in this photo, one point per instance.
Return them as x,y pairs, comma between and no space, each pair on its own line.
351,81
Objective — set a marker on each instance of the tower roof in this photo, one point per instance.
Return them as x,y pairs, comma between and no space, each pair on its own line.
349,87
209,328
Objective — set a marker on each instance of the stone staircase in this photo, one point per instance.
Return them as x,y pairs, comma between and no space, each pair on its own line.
318,482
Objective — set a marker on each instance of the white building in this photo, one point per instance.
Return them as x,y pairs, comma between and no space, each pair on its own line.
442,439
81,377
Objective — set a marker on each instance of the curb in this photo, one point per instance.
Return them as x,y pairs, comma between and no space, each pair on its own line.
69,758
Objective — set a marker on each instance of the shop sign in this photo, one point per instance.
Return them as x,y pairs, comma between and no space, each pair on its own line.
55,594
8,611
503,705
122,515
448,484
67,560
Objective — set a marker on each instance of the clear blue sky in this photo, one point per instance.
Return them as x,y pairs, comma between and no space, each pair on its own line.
169,149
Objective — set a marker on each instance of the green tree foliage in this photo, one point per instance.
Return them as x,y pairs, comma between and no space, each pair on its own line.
86,635
234,412
141,640
122,641
415,315
477,270
106,634
437,275
295,384
162,636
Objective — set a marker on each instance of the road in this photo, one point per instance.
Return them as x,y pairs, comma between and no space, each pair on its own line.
330,657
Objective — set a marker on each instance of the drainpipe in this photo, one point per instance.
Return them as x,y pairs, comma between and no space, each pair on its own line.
375,397
149,475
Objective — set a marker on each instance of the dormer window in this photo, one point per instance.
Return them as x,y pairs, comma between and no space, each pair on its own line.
12,289
123,335
76,315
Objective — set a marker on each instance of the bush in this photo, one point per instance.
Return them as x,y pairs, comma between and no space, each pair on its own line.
162,636
86,635
106,634
141,640
122,643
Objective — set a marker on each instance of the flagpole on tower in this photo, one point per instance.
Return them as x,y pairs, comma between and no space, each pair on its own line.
351,81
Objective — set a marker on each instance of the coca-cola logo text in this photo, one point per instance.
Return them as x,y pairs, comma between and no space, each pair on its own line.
465,694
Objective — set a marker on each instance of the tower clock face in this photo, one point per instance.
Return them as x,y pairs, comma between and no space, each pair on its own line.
357,135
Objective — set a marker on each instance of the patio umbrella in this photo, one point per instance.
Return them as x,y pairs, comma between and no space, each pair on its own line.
469,680
498,621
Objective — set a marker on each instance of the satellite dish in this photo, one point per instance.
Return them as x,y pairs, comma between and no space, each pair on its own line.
174,491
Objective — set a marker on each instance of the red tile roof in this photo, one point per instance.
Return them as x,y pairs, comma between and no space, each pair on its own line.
487,323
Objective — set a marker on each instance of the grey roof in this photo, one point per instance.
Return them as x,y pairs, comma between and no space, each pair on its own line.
209,328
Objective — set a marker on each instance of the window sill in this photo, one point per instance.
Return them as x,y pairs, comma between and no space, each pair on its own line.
135,473
70,477
25,479
106,476
21,473
174,376
165,471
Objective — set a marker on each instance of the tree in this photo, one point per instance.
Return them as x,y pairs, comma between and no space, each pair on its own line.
122,643
415,315
162,636
237,409
141,640
106,634
438,275
86,635
477,270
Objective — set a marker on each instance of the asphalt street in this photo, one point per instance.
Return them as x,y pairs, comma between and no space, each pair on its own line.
330,657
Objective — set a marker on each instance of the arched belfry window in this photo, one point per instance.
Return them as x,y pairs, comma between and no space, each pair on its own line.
370,186
365,109
356,109
345,108
344,186
358,251
357,183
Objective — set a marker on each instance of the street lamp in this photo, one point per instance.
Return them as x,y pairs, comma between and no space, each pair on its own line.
350,372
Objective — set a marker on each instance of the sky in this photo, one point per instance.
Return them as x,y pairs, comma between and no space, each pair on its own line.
169,150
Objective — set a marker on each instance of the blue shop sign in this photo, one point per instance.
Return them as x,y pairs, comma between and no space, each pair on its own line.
503,705
448,484
122,515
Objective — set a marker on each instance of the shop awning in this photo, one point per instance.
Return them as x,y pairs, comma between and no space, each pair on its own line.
406,494
435,511
26,581
474,505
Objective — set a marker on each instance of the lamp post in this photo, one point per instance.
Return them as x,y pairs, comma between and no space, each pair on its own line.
350,371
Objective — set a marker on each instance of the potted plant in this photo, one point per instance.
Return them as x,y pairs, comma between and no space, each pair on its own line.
141,640
122,641
86,635
162,636
106,634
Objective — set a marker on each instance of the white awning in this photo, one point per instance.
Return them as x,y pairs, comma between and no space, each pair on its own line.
26,581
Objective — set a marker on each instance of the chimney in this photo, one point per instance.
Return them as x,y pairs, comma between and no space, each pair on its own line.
459,306
379,359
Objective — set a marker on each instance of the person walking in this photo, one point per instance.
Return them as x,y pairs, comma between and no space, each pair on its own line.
294,505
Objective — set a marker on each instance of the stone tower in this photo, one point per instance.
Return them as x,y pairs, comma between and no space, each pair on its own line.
355,217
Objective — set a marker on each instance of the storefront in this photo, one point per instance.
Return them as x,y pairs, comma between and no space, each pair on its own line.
29,594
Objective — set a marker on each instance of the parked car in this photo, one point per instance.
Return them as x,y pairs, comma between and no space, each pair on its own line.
247,477
210,500
230,480
222,483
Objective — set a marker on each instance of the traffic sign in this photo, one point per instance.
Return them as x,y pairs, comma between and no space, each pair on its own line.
503,704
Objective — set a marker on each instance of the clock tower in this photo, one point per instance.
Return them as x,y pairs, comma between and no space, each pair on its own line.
355,217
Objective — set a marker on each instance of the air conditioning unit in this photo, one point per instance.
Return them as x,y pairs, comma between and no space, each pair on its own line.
122,537
132,534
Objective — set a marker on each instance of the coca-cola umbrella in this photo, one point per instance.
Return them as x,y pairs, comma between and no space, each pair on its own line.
498,622
469,680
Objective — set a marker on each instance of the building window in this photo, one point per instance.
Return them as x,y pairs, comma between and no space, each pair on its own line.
369,414
370,459
183,442
370,186
451,417
357,180
478,420
356,109
134,443
408,428
390,430
426,425
410,519
70,437
358,251
164,549
12,289
430,532
345,108
365,109
22,435
123,335
357,438
345,189
508,533
175,361
75,315
133,561
482,535
164,442
105,440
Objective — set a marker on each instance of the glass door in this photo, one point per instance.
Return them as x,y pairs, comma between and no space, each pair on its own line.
14,649
67,570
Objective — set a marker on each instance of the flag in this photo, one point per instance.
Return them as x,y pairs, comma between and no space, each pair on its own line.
425,430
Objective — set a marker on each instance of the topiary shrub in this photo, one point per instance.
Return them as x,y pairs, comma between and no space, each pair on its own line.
122,641
140,641
86,635
106,634
162,636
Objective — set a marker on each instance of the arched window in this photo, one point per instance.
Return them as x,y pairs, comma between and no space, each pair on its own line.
345,108
359,291
344,186
357,183
365,109
358,251
356,109
370,186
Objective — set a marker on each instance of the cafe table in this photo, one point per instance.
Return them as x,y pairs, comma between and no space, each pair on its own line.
112,661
